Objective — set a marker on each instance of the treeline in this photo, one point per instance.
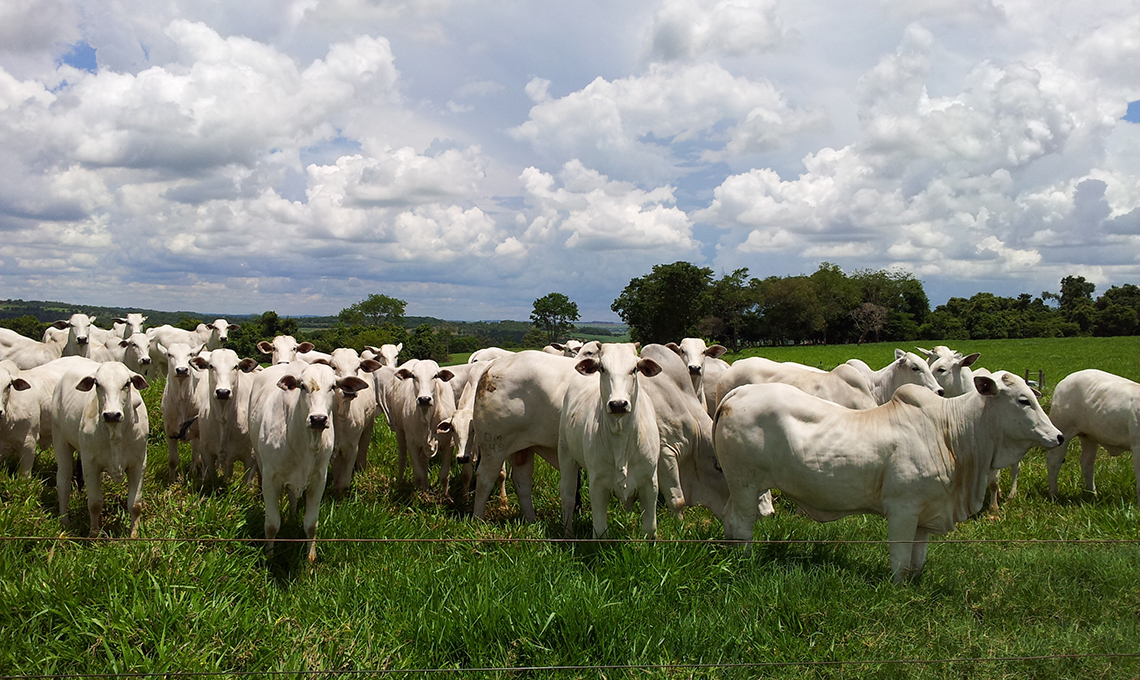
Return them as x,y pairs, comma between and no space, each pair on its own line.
830,306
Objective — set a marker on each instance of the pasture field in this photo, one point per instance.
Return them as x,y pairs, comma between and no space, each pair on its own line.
69,607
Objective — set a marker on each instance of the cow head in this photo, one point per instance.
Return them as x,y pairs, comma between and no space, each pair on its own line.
78,328
950,369
617,366
346,362
222,367
425,375
317,385
284,348
113,383
911,369
131,324
10,380
1017,416
178,359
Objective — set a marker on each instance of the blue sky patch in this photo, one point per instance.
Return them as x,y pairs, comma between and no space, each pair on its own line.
82,56
1133,114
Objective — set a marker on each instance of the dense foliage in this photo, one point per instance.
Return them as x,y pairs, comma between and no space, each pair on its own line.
832,307
554,315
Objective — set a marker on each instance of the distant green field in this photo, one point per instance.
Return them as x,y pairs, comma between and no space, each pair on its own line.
73,607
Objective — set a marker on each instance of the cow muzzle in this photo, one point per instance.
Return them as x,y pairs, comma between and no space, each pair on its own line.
222,394
423,401
694,370
181,372
113,416
81,339
618,406
318,422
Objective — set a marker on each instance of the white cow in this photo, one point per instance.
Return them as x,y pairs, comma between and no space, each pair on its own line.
28,353
81,332
843,385
354,415
291,427
19,418
221,403
100,414
422,401
387,355
43,380
1099,408
126,326
907,369
921,461
462,432
179,409
133,351
568,349
608,428
697,356
488,354
284,348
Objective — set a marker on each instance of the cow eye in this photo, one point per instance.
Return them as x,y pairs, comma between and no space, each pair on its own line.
942,370
1023,401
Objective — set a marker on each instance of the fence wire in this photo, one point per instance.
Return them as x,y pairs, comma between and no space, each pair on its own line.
753,665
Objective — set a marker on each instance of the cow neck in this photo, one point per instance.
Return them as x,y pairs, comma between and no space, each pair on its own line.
971,435
883,383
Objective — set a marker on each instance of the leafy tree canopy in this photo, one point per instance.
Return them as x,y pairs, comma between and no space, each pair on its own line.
554,315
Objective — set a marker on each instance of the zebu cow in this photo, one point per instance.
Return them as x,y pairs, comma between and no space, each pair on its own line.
843,385
284,349
19,418
921,461
705,368
423,400
907,369
221,403
354,415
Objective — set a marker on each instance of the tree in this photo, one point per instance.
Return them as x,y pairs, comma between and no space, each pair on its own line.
374,310
26,325
789,308
729,309
1075,289
869,318
553,314
666,304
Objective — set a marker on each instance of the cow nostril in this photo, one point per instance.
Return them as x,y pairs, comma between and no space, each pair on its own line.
942,393
619,406
318,422
112,416
695,370
424,401
222,394
1060,439
82,341
146,361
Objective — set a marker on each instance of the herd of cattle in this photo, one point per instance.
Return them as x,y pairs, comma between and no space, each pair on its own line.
918,441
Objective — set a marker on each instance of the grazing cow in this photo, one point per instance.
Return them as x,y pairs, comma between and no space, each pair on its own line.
387,355
128,325
843,385
696,356
919,460
291,427
488,354
100,413
608,428
423,400
221,402
19,418
179,409
907,369
284,349
354,415
1099,408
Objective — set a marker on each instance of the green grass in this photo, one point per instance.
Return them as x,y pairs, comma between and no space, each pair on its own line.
76,607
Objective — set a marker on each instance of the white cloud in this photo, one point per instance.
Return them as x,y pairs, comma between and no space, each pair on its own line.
684,30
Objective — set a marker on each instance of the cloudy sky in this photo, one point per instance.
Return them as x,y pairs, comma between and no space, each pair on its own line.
469,156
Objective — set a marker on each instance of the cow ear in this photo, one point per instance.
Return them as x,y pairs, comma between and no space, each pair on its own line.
19,384
124,343
139,382
399,348
924,352
352,384
587,366
636,346
60,325
86,384
199,362
321,360
985,385
119,320
370,365
716,351
444,375
306,347
248,365
403,374
899,354
144,319
675,347
288,382
648,367
233,327
90,319
265,346
969,360
558,346
1036,392
444,427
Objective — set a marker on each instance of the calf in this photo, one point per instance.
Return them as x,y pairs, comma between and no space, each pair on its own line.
126,326
1099,408
608,430
100,414
291,427
423,400
844,385
387,355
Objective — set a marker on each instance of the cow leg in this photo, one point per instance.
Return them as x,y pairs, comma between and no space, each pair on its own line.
401,454
271,496
741,510
1088,457
918,553
342,466
443,445
669,482
362,446
65,462
567,487
1053,459
522,472
27,457
502,482
600,493
486,475
91,478
420,457
1136,466
172,458
293,498
1014,471
902,530
647,497
312,511
134,493
995,489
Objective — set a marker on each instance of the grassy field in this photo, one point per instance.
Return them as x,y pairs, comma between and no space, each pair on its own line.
77,607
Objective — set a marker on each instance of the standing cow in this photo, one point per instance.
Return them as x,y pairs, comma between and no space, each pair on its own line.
221,404
921,461
100,413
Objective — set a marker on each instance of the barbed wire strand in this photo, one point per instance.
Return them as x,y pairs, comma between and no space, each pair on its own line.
600,667
524,540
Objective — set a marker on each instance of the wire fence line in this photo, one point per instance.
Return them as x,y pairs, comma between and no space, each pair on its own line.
600,667
530,540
